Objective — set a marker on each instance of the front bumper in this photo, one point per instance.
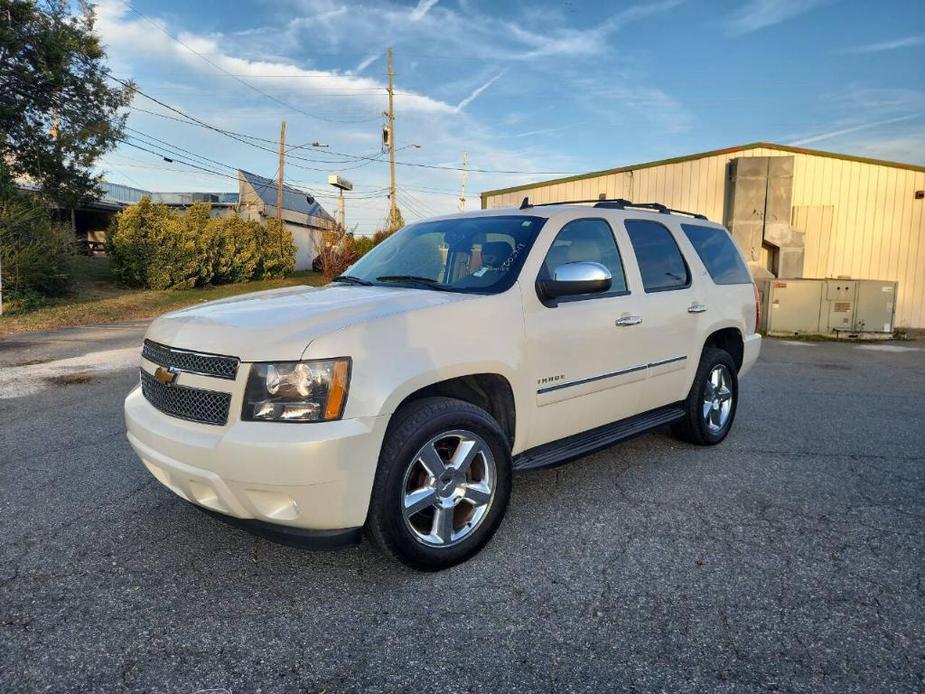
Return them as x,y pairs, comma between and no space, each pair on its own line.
311,476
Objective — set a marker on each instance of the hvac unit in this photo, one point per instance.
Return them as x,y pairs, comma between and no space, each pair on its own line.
875,305
837,307
791,307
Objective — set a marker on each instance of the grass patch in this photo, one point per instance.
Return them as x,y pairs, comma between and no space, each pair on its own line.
98,299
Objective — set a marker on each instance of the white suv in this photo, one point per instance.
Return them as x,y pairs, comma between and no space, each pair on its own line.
400,398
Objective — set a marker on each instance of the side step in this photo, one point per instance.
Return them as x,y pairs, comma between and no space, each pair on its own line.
593,440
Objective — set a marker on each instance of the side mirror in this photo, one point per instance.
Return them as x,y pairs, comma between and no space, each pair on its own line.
572,279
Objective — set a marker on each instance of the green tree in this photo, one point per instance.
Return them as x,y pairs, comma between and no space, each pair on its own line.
58,111
35,253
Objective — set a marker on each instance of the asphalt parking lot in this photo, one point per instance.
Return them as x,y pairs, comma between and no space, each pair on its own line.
789,558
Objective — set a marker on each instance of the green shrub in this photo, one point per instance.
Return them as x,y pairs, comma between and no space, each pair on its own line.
155,247
37,254
275,250
233,245
152,246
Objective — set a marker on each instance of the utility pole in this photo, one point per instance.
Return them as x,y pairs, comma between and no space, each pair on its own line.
394,214
282,167
465,176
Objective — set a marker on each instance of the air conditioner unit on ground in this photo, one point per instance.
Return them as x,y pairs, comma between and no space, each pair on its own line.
839,307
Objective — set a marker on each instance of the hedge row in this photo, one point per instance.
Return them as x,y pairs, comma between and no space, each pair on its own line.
36,254
155,247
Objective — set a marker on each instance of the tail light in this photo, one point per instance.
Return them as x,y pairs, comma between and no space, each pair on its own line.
757,307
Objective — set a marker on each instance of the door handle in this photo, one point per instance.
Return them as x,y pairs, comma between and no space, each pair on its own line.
625,321
696,308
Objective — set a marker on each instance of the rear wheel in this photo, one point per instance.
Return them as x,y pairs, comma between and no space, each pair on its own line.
442,485
710,406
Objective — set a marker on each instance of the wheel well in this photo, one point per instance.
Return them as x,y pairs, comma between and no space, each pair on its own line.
730,340
491,392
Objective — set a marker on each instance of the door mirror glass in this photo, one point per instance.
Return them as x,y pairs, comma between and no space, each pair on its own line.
571,279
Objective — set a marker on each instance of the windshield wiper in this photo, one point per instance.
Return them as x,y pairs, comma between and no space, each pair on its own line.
415,279
350,279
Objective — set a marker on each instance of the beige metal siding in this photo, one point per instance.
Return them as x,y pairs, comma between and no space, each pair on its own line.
861,219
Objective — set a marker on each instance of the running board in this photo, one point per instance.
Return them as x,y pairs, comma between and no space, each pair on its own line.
593,440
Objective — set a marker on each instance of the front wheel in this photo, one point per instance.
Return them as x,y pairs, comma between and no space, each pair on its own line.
443,483
710,407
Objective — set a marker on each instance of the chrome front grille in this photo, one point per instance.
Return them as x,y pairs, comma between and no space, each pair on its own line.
215,365
194,404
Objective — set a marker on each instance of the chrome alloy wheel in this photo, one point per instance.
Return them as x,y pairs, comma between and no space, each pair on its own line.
717,398
448,488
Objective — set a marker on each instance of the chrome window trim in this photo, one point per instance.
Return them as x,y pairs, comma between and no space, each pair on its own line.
611,374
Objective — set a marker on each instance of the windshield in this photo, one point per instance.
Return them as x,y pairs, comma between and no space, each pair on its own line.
471,254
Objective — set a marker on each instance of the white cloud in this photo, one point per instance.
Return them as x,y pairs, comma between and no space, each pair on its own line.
277,59
892,45
838,132
759,14
366,62
475,92
131,37
544,131
423,7
654,105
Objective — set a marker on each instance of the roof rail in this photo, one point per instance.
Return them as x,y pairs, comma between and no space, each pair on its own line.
657,206
616,204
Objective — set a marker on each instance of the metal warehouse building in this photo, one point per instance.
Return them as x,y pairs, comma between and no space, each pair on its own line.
794,212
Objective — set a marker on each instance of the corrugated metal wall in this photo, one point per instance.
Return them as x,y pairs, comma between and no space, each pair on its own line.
861,219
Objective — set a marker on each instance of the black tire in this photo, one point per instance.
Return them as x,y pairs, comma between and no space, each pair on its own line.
411,428
694,428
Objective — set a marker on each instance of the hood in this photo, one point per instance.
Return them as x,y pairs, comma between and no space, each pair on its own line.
278,324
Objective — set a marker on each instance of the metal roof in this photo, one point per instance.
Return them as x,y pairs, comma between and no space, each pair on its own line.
294,200
701,155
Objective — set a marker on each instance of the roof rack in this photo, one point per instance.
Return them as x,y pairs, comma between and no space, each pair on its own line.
616,204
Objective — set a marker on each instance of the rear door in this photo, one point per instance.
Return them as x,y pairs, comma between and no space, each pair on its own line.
672,305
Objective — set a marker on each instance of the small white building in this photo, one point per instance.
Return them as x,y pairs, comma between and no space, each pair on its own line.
303,216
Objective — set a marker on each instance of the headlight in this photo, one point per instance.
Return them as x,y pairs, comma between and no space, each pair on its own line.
297,391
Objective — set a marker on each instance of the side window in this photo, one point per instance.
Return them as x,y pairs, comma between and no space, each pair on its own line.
660,261
587,240
718,253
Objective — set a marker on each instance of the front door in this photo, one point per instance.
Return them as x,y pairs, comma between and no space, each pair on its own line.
585,356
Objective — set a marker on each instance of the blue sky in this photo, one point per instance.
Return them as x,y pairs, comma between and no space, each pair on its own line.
525,87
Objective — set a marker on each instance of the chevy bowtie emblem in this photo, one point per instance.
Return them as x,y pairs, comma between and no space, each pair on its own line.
165,377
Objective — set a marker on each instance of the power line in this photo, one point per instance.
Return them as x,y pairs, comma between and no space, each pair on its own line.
178,161
241,138
245,138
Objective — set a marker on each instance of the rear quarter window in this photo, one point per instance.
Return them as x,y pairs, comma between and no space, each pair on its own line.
718,253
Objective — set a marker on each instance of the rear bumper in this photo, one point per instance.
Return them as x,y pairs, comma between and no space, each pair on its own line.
750,352
315,477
